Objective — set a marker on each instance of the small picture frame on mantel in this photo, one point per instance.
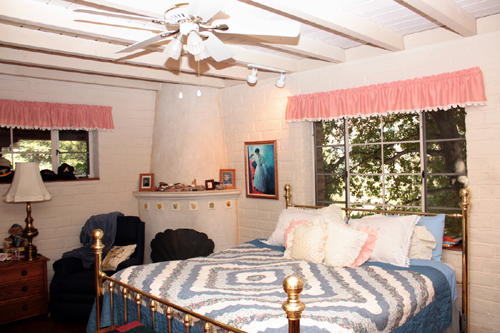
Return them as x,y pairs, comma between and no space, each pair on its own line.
146,181
209,184
228,178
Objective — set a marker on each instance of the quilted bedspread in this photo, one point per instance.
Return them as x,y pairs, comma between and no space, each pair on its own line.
242,287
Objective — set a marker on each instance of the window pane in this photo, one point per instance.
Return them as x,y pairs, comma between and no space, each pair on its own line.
363,130
330,160
73,147
330,188
365,159
78,161
445,124
401,127
45,160
4,139
403,190
402,158
329,132
31,141
366,189
447,157
443,191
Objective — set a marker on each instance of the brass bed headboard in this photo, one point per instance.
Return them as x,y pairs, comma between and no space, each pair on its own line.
465,204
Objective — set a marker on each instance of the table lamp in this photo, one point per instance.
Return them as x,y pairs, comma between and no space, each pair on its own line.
27,186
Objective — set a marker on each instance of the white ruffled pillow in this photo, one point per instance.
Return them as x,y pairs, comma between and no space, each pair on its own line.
422,244
287,216
343,245
394,237
307,242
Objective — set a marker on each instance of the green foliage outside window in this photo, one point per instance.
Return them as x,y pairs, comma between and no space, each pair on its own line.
377,162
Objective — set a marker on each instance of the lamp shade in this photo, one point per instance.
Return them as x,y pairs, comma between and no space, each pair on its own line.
27,185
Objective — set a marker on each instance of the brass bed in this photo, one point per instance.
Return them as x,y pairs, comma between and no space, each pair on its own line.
292,285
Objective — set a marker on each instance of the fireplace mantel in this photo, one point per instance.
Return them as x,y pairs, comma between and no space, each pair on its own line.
215,213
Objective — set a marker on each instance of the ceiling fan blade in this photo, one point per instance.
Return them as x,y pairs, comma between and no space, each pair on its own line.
205,9
146,42
117,15
218,51
259,27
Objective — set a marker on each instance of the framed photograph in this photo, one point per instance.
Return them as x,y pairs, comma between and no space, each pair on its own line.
261,169
146,181
209,185
228,178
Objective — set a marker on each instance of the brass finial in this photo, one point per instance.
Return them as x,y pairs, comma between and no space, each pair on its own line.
293,286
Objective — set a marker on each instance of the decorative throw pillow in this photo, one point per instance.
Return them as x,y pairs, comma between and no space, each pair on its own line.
422,244
435,225
291,227
307,242
367,248
394,237
287,216
117,255
343,245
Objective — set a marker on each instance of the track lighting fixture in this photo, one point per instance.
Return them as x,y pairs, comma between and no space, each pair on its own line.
252,77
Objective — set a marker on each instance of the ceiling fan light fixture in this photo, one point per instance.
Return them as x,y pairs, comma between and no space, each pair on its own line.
202,55
280,82
174,48
252,77
195,44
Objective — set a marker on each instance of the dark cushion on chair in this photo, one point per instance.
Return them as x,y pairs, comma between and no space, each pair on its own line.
72,289
180,244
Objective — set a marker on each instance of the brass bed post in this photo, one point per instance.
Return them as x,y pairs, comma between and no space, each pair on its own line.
293,307
465,205
98,246
287,195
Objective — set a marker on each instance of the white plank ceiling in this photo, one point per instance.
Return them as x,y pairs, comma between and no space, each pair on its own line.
48,38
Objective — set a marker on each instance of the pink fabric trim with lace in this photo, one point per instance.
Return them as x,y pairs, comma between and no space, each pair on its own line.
443,91
44,115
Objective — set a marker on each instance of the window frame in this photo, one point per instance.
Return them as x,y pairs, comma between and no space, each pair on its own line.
347,175
55,152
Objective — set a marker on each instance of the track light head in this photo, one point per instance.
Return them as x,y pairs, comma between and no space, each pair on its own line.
280,82
252,77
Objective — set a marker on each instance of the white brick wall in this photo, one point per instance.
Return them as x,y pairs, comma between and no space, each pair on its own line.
244,108
123,154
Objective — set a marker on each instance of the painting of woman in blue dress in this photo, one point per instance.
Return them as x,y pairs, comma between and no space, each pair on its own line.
261,166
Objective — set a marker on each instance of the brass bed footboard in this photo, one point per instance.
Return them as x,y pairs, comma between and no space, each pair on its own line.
292,306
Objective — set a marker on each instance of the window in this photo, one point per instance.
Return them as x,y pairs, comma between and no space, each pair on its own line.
49,148
407,161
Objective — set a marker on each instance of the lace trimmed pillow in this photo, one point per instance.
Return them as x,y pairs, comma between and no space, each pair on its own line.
307,242
394,237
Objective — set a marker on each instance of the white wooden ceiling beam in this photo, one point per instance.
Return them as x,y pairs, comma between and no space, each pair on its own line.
46,60
59,75
306,47
327,15
447,13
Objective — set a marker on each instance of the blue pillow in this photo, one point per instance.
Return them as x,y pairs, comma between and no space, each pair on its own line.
435,225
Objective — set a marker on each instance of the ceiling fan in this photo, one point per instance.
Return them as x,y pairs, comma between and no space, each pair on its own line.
193,23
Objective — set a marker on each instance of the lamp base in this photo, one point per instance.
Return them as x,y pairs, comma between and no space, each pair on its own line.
30,252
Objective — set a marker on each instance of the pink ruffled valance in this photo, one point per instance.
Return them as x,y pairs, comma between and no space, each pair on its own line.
443,91
43,115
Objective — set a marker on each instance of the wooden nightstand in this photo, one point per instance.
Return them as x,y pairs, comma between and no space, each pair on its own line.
23,289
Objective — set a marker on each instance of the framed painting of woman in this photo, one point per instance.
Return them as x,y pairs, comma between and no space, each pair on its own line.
261,169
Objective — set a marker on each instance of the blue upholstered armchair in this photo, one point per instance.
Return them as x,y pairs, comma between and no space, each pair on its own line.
72,290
